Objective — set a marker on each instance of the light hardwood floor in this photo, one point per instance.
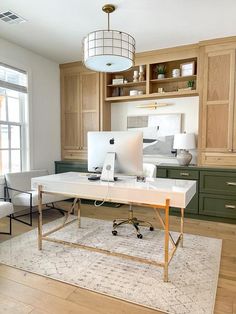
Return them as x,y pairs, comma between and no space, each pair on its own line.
23,292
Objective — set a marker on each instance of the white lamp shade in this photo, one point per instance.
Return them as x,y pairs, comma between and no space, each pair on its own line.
184,141
108,51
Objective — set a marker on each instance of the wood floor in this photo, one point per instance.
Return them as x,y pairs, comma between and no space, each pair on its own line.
22,292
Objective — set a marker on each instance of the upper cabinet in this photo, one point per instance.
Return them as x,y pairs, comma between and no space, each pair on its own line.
158,74
82,108
217,131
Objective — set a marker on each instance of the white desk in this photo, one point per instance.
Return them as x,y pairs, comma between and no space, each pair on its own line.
155,193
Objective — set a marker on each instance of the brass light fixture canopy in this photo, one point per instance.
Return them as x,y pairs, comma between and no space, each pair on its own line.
108,8
108,50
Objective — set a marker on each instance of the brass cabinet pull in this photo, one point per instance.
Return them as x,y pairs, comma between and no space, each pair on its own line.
186,174
231,183
230,206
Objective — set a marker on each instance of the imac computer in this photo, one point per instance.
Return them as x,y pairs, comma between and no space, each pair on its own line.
115,152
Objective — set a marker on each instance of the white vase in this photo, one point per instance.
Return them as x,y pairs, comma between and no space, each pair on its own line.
161,76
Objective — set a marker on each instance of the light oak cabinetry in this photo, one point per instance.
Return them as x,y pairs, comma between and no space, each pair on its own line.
217,132
82,108
151,87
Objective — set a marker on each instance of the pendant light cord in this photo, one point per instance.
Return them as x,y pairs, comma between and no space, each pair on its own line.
108,21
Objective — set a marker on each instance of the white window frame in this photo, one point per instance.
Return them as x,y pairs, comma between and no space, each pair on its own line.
23,124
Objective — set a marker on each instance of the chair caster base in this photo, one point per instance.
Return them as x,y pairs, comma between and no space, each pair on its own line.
114,232
151,229
139,235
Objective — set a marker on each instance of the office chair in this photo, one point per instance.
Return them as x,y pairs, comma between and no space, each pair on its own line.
149,170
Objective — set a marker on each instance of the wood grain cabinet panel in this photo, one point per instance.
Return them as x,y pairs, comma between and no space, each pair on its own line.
217,130
83,108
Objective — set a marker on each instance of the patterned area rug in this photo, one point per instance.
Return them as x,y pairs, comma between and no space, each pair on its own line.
193,271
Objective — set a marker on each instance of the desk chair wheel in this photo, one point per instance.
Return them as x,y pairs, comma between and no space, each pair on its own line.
139,235
114,232
151,228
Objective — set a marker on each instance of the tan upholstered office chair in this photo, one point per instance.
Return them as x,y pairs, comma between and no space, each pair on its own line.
149,170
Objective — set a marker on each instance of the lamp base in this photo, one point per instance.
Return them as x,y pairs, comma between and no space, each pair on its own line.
184,157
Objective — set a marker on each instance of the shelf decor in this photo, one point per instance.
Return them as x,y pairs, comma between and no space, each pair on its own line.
187,68
108,50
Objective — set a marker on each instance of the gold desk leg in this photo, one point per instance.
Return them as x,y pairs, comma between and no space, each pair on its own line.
166,240
79,212
182,227
40,218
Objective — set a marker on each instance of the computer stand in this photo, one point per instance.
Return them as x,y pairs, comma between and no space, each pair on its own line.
108,169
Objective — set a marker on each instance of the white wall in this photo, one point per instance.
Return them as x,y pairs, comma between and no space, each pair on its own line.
187,106
44,103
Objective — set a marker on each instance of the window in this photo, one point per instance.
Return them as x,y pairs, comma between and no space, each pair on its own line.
13,119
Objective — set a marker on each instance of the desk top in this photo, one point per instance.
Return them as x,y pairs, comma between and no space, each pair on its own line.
154,191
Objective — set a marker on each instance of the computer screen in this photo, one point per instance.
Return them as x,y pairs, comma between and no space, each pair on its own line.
125,146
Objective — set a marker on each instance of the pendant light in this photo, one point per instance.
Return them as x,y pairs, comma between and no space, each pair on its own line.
108,50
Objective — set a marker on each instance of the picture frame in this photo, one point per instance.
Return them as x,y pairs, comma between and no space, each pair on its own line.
187,68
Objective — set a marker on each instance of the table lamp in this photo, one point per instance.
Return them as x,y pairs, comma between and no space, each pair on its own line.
184,142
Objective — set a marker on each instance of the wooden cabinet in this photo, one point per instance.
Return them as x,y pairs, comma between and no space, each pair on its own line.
218,194
148,85
215,198
217,131
82,108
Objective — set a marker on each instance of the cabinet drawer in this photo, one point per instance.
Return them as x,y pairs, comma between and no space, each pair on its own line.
73,168
218,159
183,174
218,182
74,154
161,173
216,205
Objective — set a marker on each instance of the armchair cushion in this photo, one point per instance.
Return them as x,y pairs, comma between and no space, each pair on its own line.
6,209
21,181
23,199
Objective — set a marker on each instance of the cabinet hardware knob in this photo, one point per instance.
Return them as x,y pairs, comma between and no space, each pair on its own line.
230,206
231,183
186,174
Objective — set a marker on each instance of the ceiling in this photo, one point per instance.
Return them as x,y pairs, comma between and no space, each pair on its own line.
55,28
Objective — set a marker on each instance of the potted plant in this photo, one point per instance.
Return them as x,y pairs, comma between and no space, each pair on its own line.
160,70
190,84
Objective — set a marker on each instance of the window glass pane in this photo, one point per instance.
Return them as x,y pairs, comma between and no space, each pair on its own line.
15,160
15,136
12,93
4,161
4,142
13,76
3,115
13,109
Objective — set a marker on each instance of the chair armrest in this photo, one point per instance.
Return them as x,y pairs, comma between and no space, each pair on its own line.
6,199
8,188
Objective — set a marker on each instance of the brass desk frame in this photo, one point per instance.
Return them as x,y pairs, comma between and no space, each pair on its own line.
168,254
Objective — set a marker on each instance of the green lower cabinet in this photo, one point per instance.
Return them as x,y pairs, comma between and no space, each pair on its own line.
192,207
63,166
217,205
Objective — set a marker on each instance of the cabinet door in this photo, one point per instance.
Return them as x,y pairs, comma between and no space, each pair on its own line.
89,100
70,111
218,100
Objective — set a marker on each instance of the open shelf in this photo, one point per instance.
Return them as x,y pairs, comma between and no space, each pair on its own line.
175,79
151,86
129,84
174,94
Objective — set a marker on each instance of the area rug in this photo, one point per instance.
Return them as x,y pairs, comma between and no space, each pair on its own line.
193,271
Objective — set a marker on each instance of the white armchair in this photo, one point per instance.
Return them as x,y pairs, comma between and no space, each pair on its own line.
6,210
18,191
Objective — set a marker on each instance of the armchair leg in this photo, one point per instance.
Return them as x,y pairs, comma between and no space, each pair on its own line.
30,223
10,226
